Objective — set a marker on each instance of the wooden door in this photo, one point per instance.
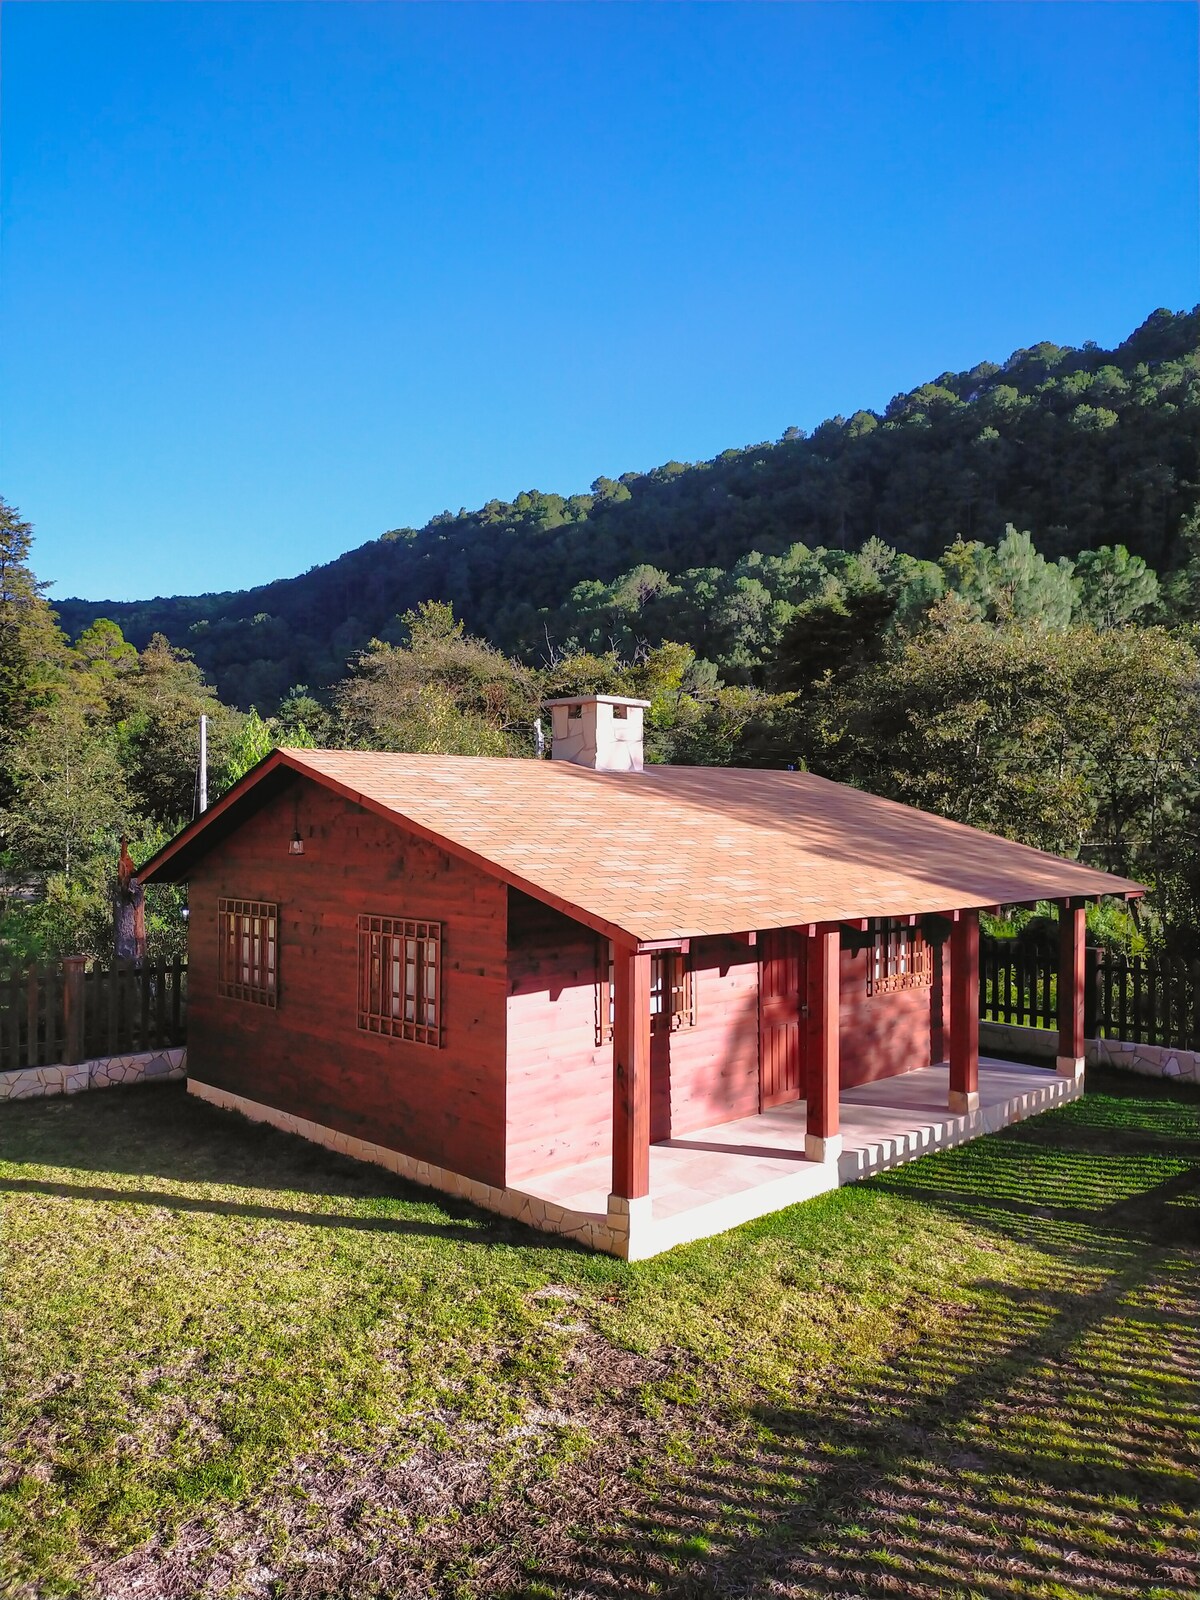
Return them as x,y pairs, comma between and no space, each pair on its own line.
781,990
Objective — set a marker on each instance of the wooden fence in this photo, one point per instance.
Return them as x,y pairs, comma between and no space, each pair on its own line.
1125,997
1017,983
68,1013
1146,1002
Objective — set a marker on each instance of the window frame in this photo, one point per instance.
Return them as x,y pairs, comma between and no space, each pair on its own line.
376,1003
671,974
250,974
899,957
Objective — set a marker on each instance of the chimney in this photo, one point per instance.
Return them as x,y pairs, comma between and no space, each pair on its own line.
601,731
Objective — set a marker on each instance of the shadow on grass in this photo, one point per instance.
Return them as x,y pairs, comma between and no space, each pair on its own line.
174,1201
1045,1443
160,1131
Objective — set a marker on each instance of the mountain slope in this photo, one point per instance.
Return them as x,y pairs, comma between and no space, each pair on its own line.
1082,447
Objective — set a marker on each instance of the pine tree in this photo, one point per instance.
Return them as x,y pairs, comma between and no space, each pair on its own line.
32,648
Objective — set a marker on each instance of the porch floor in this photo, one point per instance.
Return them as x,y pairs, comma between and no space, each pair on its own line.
715,1178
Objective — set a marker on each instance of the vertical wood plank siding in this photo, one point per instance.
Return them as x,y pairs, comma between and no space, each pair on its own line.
307,1054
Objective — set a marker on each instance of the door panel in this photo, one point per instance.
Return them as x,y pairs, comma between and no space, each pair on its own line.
781,989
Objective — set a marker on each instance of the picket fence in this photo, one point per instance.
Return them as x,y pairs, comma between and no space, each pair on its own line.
1133,998
67,1012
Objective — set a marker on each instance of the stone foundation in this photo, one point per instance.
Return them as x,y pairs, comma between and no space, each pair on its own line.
1009,1038
635,1229
1151,1060
608,1233
105,1072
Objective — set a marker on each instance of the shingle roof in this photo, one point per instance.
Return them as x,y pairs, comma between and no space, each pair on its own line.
676,852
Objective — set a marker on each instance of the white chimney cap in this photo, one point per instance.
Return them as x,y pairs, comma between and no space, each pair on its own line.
596,699
601,731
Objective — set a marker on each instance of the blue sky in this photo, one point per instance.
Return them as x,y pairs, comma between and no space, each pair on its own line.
276,278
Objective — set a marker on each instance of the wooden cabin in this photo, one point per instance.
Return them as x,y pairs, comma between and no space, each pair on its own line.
538,984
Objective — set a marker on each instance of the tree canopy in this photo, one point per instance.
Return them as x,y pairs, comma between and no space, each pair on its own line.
1081,448
983,600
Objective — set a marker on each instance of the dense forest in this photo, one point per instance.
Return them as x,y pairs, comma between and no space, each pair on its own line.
1081,448
1021,651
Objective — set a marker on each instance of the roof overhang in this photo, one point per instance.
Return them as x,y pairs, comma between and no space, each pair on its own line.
283,767
172,864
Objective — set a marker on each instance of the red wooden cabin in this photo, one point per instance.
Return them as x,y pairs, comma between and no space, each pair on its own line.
528,982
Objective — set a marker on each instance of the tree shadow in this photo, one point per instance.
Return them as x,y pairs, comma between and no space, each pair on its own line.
1045,1441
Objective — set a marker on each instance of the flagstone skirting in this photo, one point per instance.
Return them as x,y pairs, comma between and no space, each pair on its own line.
705,1182
105,1072
597,1232
1151,1060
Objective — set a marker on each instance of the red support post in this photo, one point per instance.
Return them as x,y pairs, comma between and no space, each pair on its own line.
631,1077
964,1013
1072,942
822,1137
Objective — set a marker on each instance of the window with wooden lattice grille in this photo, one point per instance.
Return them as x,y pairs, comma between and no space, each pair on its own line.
248,950
672,992
400,978
898,958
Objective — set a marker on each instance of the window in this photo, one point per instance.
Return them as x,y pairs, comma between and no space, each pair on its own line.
899,958
248,954
672,992
400,978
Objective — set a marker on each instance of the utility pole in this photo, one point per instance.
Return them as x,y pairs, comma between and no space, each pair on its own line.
203,764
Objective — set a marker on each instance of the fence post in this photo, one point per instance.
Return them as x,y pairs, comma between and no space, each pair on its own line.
33,1055
1091,991
73,971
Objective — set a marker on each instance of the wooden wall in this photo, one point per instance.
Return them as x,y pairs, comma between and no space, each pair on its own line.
560,1077
712,1069
307,1055
517,977
884,1034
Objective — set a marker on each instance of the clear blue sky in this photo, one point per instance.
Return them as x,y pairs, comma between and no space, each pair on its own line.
276,278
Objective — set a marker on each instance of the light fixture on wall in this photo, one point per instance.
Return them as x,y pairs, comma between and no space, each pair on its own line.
296,848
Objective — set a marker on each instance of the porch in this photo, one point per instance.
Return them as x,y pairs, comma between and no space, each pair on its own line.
716,1178
814,1136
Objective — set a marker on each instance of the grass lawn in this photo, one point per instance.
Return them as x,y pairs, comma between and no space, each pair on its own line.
237,1365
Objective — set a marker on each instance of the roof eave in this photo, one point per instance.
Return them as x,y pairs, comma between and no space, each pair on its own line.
155,870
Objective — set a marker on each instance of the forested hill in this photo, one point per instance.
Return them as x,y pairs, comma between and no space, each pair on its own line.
1081,447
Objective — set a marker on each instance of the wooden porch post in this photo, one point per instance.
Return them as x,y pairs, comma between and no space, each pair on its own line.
822,1137
1072,940
964,1013
631,1078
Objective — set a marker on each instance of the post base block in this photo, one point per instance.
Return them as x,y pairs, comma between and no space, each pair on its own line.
1070,1067
963,1101
634,1211
818,1149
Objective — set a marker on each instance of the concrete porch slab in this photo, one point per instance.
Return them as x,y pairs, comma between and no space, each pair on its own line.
718,1177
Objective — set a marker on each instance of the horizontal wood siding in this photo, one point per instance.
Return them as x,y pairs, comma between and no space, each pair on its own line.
713,1067
882,1034
306,1055
560,1079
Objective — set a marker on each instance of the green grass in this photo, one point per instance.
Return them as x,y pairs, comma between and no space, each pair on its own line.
236,1364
